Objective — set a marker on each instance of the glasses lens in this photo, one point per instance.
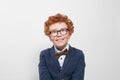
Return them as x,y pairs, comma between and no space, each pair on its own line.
53,33
63,31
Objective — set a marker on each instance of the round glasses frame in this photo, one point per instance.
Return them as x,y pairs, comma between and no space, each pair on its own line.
55,32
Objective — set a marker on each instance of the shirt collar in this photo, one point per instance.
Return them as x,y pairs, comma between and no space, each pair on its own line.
56,50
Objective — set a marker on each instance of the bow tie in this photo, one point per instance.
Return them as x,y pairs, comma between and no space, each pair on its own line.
65,52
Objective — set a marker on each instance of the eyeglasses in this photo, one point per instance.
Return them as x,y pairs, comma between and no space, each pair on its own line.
62,32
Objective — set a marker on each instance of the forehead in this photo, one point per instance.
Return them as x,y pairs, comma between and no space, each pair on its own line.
58,26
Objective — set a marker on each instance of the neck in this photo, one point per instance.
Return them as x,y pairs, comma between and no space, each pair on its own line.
61,48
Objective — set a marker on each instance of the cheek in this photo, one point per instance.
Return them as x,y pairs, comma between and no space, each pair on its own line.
67,37
51,38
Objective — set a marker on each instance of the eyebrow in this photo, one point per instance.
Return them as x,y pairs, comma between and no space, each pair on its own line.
57,30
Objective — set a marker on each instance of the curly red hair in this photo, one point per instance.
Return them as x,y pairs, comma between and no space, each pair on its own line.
58,18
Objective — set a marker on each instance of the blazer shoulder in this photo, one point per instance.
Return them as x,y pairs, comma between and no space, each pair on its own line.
45,51
78,51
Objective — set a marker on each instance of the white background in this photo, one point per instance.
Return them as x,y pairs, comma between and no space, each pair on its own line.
97,33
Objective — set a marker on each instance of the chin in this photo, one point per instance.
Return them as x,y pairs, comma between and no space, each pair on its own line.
61,45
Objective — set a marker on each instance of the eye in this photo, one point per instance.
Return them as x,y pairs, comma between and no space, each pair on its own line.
62,29
52,32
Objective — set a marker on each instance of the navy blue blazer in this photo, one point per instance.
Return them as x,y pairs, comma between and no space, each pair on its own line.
73,67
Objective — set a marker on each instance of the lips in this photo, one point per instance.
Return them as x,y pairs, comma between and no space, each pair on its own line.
59,39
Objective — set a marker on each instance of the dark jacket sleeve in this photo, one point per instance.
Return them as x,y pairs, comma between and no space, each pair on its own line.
43,71
80,68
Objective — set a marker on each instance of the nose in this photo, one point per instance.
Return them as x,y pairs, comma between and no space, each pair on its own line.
58,33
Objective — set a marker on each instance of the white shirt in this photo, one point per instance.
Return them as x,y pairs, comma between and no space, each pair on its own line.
61,58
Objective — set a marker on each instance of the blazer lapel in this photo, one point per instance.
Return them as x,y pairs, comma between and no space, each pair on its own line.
55,61
67,60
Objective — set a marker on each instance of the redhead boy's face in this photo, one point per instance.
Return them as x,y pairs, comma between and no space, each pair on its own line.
60,40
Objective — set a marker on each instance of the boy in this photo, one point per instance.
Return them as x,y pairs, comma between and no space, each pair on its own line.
61,61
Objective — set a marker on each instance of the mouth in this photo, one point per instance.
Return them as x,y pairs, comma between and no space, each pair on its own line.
59,39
